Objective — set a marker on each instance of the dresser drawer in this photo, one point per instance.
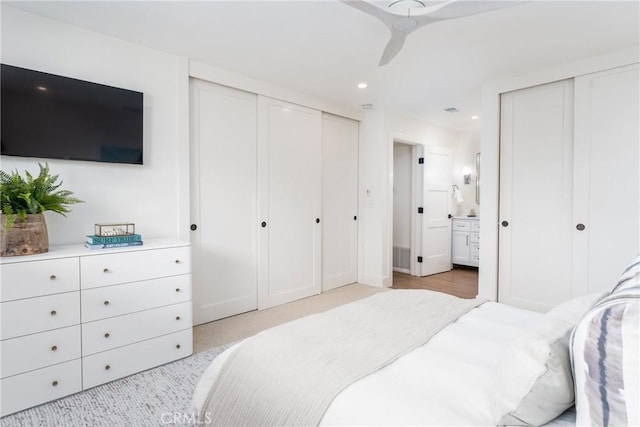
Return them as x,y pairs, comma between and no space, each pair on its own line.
474,238
475,226
39,350
461,225
110,365
110,301
37,278
29,316
119,331
43,385
112,269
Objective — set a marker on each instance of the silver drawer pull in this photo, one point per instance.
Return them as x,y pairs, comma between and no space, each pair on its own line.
178,346
106,368
107,335
54,348
55,383
52,277
178,261
106,303
53,312
177,317
106,270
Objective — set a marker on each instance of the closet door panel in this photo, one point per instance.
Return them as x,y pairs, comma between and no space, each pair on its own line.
289,155
339,201
607,176
223,162
535,196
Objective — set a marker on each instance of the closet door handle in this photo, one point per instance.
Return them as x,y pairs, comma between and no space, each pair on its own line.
317,220
355,218
263,224
580,227
505,223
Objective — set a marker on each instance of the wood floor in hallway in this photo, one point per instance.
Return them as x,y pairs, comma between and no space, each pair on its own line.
461,282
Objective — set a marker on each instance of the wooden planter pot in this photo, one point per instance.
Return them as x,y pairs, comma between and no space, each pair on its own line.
25,237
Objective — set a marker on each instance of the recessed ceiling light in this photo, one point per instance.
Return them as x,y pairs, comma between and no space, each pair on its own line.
475,117
452,110
42,88
362,85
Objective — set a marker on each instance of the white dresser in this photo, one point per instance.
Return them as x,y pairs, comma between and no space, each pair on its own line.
73,318
465,241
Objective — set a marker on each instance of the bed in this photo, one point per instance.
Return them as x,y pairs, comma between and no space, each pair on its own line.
493,365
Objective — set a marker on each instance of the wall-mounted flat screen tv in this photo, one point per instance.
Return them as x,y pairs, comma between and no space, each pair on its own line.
55,117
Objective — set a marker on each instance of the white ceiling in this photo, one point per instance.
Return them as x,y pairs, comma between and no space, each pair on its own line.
325,47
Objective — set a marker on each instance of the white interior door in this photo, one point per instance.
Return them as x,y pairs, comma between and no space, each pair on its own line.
223,201
436,225
339,201
536,190
289,202
607,177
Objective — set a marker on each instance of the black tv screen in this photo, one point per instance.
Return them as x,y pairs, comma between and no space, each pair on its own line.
55,117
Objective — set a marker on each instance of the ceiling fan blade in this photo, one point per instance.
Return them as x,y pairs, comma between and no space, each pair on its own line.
392,49
369,9
402,26
462,8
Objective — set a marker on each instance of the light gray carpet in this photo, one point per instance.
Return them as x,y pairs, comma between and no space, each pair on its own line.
157,397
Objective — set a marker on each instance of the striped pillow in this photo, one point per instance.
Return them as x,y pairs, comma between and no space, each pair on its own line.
605,353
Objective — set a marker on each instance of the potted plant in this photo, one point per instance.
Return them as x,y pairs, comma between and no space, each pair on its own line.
23,230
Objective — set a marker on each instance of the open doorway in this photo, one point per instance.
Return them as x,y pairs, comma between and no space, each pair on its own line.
421,243
423,209
404,187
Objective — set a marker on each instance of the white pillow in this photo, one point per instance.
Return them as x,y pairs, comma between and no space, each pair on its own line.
605,349
535,383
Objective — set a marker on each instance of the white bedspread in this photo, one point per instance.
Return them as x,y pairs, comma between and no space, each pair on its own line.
447,381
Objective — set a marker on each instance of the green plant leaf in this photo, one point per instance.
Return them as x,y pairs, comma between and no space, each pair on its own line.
20,196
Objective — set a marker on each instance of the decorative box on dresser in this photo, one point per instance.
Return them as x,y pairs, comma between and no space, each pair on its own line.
465,241
74,318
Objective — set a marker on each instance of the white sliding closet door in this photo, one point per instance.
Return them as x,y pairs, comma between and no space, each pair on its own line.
289,202
223,201
339,201
607,176
536,190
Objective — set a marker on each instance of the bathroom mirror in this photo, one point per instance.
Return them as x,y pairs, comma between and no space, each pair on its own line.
477,178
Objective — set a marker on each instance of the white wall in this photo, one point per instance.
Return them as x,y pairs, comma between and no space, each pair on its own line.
402,190
372,178
490,148
464,156
155,195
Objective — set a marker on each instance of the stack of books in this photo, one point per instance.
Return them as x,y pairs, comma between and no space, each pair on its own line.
104,242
